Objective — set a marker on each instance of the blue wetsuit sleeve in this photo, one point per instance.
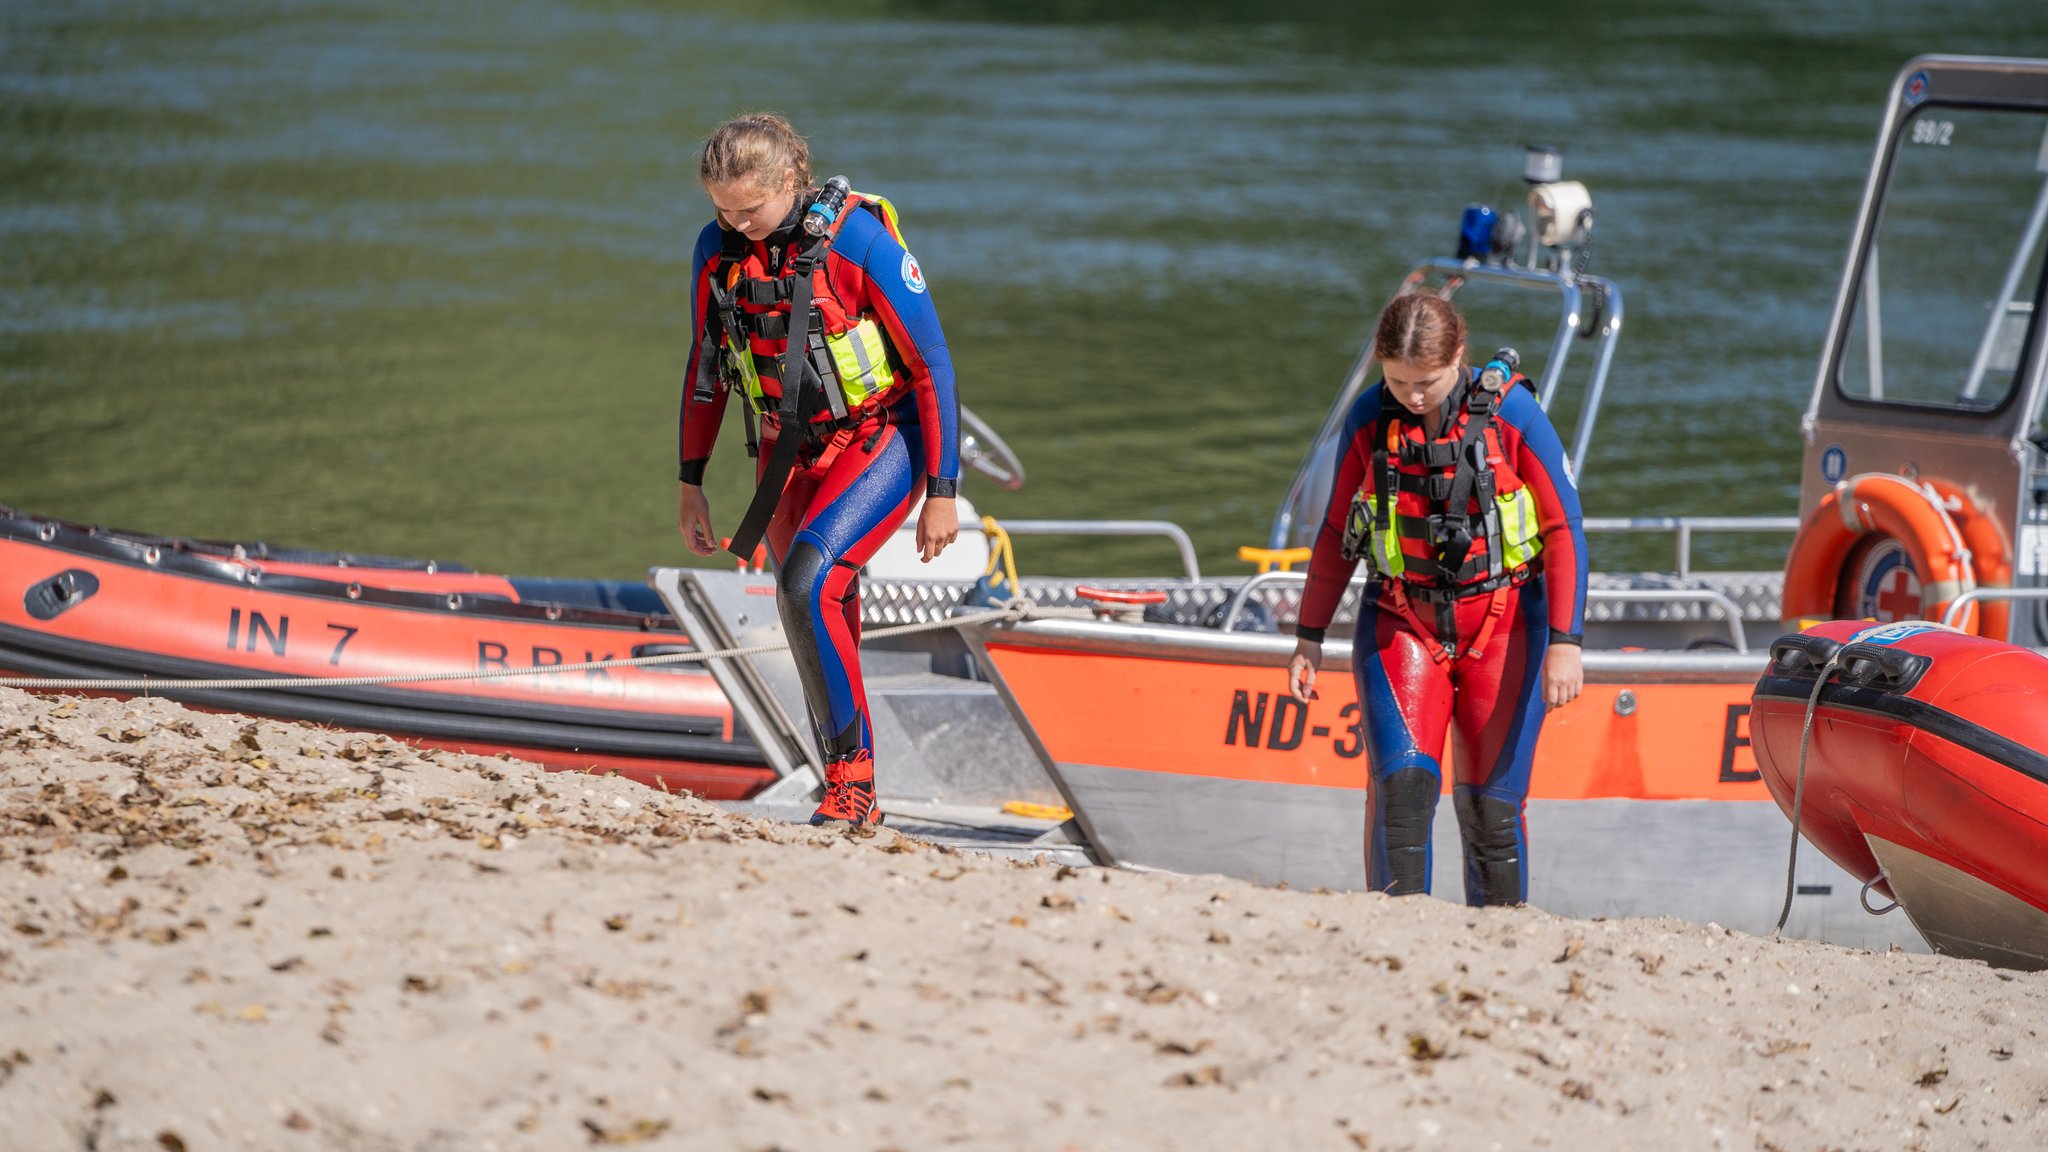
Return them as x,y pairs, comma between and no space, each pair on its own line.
1328,571
890,281
698,420
1541,463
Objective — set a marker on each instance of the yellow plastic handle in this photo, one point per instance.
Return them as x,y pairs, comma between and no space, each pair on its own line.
1266,558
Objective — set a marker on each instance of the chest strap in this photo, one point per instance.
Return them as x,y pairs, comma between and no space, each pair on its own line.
804,395
765,293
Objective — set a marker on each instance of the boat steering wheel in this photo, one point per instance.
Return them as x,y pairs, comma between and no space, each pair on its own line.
984,451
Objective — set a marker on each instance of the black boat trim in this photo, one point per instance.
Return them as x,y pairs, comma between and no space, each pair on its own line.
1919,713
43,655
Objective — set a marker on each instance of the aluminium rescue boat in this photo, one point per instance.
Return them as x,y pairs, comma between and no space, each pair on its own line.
1925,774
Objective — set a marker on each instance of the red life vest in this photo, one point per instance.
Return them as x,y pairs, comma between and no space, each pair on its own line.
749,319
1445,513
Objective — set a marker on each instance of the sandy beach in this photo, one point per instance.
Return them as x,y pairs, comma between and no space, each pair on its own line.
224,933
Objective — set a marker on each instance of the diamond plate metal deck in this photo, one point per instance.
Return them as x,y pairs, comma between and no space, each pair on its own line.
1273,607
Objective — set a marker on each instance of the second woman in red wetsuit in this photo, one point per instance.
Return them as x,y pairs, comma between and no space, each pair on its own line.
857,425
1454,487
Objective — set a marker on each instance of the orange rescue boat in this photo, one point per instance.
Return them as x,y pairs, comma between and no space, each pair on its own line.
83,602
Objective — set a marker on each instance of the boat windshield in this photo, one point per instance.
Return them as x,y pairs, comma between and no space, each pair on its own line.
1950,281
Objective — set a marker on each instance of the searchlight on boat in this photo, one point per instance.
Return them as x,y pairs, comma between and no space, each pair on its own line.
1558,228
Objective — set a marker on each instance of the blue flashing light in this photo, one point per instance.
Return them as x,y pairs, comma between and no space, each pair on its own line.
1475,232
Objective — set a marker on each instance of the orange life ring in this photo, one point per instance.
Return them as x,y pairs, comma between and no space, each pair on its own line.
1990,555
1878,504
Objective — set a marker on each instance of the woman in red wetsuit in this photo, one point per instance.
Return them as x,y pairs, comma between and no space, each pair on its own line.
1453,486
853,435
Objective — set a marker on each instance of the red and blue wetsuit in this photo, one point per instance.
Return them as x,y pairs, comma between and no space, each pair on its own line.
1411,690
851,490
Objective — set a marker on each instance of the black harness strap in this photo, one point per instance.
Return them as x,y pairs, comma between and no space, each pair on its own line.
1479,410
802,395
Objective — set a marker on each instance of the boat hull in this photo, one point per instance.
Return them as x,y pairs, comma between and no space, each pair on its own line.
1177,749
1923,776
81,603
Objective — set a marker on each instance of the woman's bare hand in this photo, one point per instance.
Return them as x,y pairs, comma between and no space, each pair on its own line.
1563,675
1301,669
693,519
938,524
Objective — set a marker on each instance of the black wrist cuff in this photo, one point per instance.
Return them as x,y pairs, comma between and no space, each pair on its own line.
1559,636
692,471
945,486
1312,635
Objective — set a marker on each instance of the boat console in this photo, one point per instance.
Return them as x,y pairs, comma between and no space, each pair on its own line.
1932,368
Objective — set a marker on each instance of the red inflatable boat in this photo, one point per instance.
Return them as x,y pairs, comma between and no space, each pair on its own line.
1925,775
80,602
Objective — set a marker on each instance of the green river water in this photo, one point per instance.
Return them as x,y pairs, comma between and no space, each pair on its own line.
411,278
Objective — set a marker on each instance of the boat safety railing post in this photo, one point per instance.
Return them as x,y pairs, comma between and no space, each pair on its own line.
1686,526
1961,604
1568,321
1596,385
1244,592
1708,596
791,757
1162,528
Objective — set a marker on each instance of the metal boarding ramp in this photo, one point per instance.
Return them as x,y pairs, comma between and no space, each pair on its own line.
953,756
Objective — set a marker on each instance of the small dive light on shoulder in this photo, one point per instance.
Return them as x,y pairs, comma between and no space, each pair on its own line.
826,206
1499,370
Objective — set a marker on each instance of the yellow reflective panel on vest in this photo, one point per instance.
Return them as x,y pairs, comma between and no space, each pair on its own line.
1387,558
1386,553
1520,531
861,356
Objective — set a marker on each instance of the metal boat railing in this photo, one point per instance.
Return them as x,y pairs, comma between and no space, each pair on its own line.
1708,596
1166,529
1686,526
1961,604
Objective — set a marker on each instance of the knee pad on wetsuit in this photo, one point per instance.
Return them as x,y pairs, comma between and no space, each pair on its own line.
1492,828
1404,808
802,572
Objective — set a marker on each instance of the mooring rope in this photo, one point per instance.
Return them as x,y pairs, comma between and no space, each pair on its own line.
1017,609
1799,788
